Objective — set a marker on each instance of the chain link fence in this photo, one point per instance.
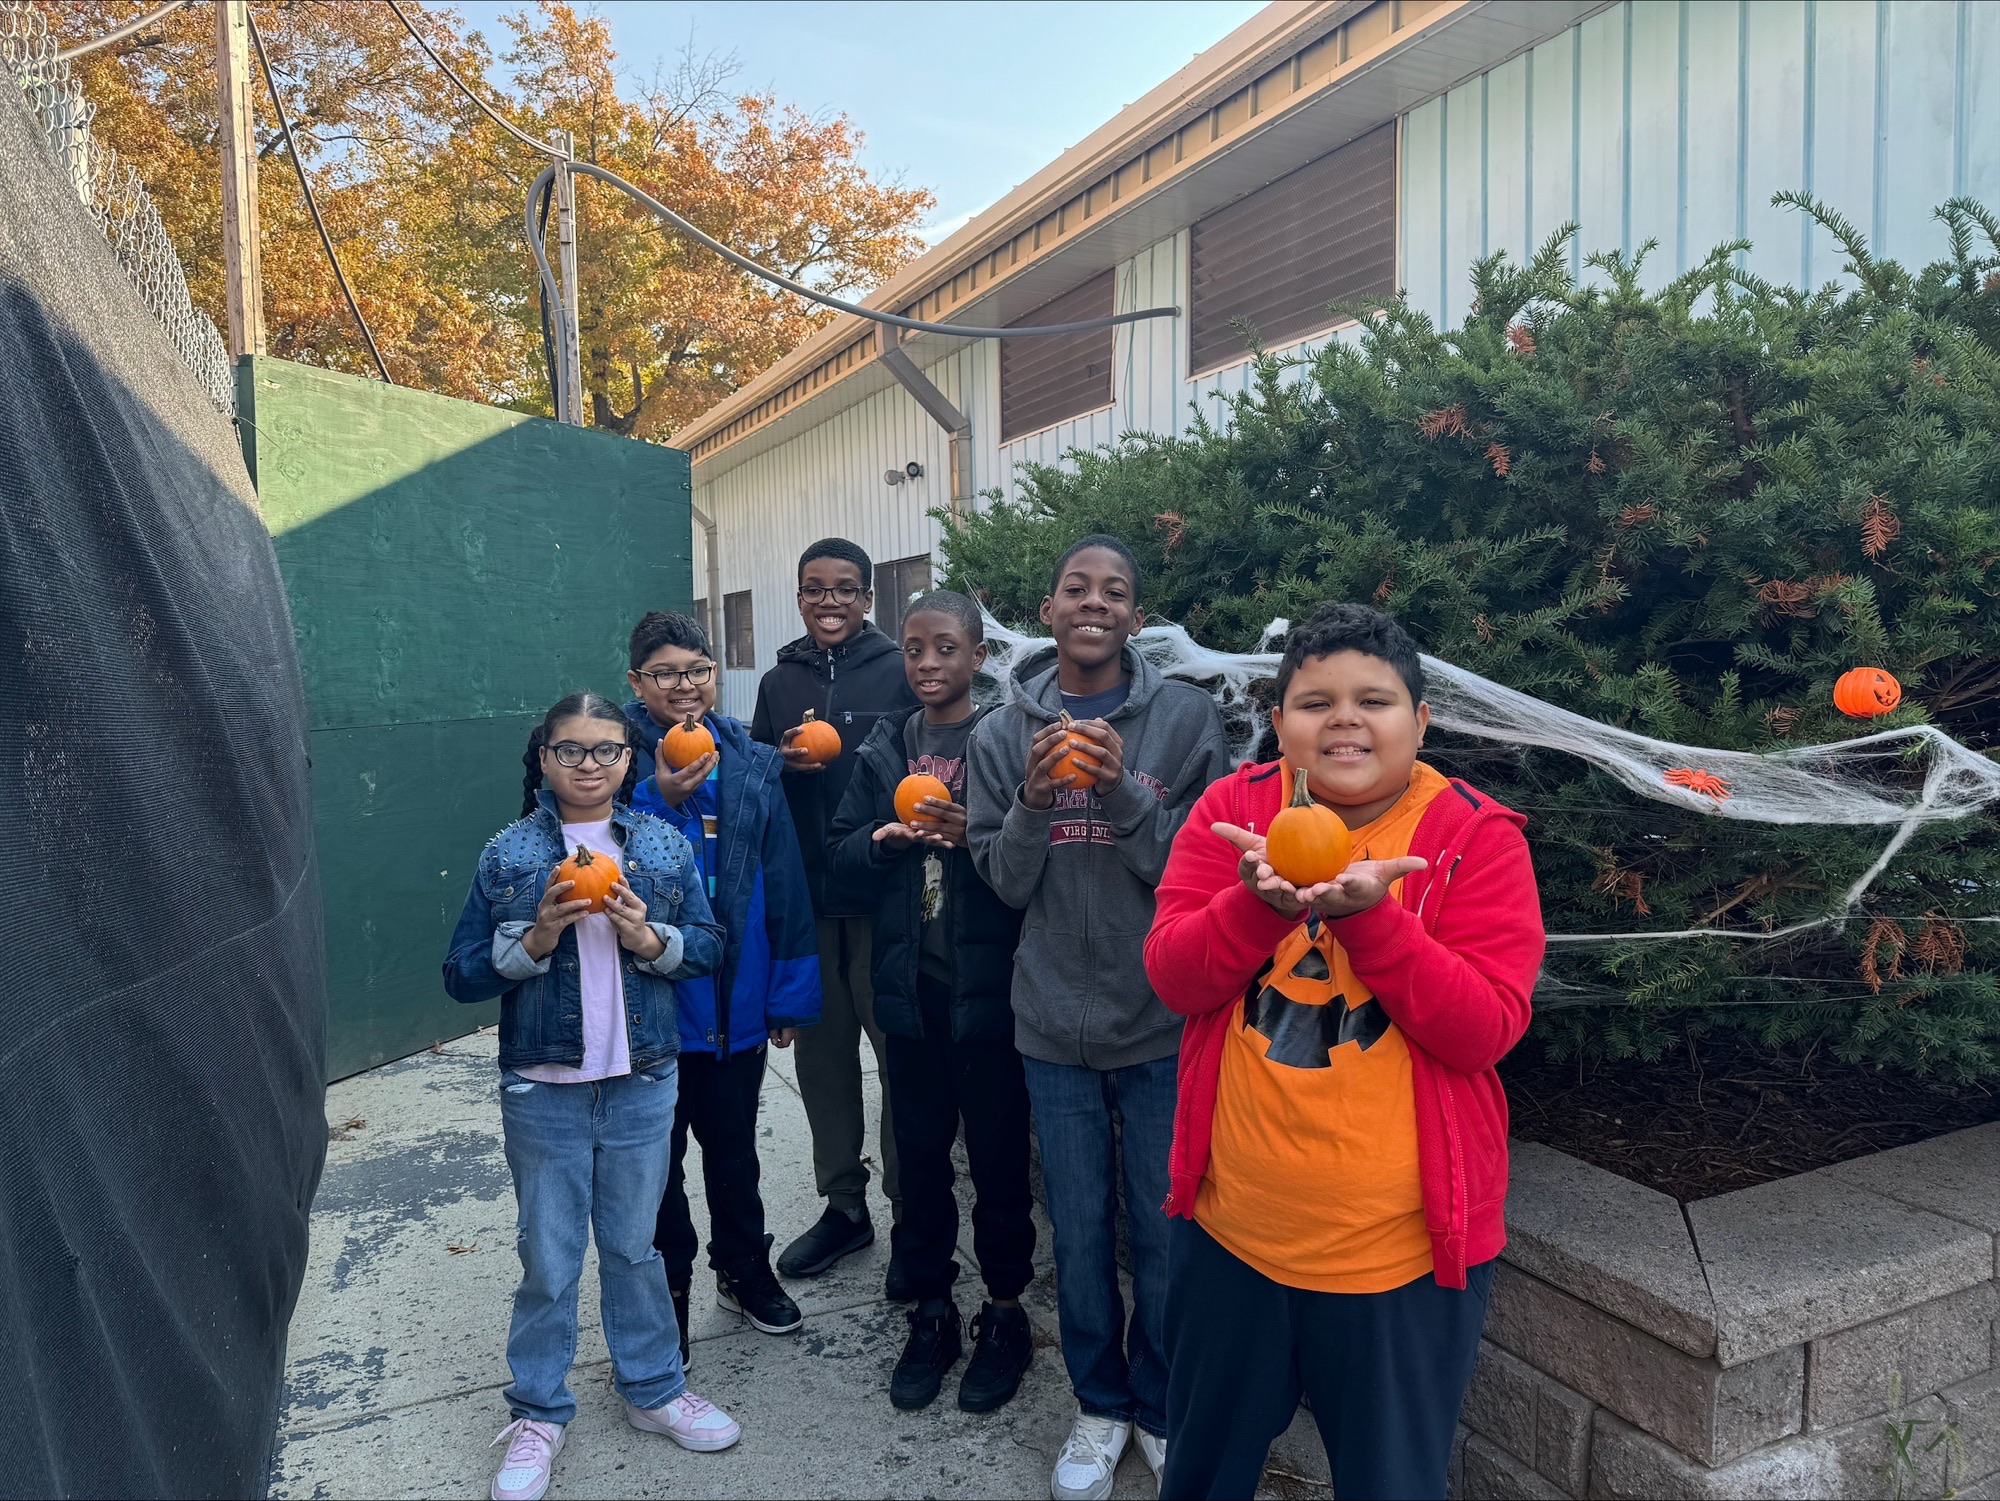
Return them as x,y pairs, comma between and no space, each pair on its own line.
115,195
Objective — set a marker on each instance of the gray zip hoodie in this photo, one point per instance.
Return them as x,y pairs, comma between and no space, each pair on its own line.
1086,869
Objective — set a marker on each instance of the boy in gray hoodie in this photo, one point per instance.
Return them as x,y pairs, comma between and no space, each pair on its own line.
1081,852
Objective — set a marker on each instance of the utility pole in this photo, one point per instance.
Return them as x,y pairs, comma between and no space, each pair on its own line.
242,260
571,353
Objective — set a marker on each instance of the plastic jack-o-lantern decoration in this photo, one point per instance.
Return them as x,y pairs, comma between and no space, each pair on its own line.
1864,692
910,795
1307,844
593,874
818,739
686,743
1080,758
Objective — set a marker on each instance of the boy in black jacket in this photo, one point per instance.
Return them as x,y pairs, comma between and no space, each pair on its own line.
850,675
944,953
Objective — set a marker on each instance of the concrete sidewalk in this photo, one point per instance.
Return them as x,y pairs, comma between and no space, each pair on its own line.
398,1346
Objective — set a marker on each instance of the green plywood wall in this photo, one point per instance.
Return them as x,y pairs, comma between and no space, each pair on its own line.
453,570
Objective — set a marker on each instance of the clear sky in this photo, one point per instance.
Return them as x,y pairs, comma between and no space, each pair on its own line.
964,97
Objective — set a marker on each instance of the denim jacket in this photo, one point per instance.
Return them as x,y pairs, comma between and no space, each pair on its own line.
541,1001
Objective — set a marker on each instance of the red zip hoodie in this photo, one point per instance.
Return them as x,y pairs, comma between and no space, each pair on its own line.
1454,975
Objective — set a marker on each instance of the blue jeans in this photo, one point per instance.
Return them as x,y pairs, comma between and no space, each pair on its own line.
590,1158
1115,1371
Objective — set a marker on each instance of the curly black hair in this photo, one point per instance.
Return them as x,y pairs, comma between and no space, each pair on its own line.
845,551
957,606
1109,544
1339,626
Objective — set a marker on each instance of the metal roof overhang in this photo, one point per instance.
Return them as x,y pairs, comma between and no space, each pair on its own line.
1441,51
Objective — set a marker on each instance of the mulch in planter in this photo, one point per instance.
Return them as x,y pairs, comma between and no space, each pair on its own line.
1719,1116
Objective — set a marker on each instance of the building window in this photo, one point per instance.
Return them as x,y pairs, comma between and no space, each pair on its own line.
896,584
739,633
699,610
1044,381
1274,260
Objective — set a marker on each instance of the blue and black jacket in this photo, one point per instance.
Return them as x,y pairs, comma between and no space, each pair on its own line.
541,1000
769,976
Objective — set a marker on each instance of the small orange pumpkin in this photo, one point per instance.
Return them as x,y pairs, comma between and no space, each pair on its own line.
594,875
1864,692
1307,844
1080,758
818,739
686,744
910,795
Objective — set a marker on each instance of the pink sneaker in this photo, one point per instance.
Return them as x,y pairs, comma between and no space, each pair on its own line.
524,1473
688,1421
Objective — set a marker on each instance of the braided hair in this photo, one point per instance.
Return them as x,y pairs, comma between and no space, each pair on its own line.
575,706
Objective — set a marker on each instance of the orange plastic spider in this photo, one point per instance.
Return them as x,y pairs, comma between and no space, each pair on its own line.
1707,783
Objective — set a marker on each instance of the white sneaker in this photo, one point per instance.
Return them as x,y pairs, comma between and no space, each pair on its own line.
531,1453
1089,1460
1155,1451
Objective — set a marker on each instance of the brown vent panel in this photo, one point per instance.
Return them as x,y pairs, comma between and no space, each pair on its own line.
1044,381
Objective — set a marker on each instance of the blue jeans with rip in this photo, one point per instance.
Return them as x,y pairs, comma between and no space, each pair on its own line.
590,1159
1117,1370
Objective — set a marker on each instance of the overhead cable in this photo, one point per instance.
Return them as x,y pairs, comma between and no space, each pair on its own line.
590,169
118,34
874,315
312,205
464,88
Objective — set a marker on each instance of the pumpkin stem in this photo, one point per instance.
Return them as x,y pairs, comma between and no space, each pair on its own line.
584,856
810,717
1301,794
688,723
1063,715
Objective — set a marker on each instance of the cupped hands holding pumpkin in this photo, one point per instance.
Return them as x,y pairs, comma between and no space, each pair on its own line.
943,826
1357,888
1057,761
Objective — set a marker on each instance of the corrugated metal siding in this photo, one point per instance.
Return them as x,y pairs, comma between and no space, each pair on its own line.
1676,120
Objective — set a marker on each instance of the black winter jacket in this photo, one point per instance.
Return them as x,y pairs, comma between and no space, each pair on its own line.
984,929
851,687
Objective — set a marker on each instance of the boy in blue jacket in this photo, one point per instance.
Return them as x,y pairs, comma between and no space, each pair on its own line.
732,809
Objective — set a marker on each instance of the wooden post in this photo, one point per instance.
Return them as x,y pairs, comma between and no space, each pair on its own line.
242,260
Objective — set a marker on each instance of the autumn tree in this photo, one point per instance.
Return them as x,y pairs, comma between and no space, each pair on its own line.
423,196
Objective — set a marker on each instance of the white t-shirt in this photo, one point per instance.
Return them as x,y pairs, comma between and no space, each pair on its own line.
607,1048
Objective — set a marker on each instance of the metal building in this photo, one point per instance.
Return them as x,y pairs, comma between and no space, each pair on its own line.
1326,149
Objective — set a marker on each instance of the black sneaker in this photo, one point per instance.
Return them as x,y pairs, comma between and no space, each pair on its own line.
1002,1348
932,1349
681,1318
836,1234
755,1294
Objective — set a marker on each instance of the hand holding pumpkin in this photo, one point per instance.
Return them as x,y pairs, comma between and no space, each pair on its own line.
676,787
1360,886
552,914
1109,753
1039,786
628,916
1253,869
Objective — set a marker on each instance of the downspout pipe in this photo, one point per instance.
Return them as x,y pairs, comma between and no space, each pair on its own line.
942,412
714,622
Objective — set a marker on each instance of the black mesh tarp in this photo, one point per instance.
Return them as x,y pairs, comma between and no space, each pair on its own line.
161,968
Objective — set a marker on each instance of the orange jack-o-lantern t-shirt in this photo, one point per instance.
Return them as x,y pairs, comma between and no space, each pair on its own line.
1312,1175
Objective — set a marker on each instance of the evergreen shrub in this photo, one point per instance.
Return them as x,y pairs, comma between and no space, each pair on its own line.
1683,510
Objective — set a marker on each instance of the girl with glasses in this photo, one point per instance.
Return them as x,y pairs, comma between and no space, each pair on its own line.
588,1074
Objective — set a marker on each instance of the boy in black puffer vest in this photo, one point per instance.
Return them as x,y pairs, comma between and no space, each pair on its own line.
944,957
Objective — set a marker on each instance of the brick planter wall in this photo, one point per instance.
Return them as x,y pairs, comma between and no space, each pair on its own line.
1744,1346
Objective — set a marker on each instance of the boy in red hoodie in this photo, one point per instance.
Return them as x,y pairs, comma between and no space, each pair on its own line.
1339,1161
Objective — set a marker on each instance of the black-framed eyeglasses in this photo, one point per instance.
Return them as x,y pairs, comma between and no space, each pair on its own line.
845,594
604,753
666,679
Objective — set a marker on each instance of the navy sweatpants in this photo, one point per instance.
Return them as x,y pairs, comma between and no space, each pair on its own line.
1386,1373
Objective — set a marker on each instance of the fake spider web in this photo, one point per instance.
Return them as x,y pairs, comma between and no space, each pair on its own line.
1839,783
